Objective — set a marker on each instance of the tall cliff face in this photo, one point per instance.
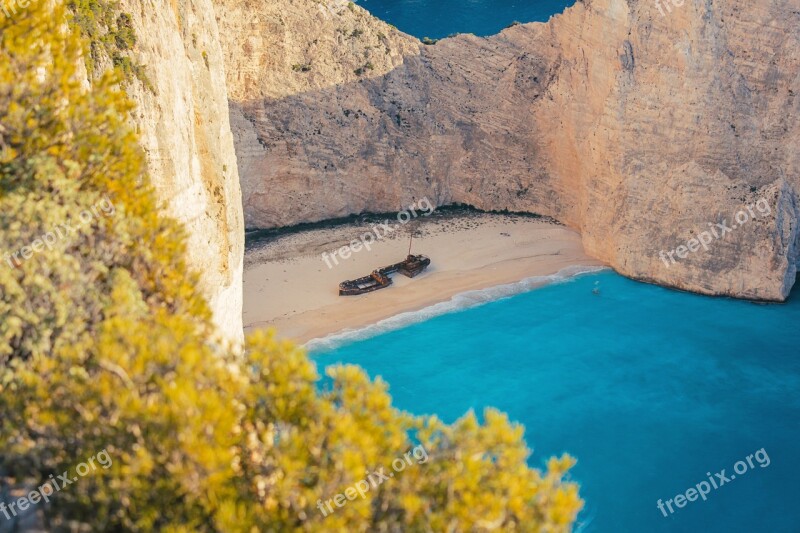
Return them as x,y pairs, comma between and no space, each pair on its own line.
184,128
642,130
276,50
678,122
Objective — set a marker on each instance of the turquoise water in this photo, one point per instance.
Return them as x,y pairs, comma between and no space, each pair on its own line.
440,18
649,388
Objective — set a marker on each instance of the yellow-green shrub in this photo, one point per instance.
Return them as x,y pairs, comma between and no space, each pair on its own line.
105,344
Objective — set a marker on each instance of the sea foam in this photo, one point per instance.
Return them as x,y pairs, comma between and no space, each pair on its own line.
464,300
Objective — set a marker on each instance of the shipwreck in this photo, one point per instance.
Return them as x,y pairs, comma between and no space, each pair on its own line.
379,279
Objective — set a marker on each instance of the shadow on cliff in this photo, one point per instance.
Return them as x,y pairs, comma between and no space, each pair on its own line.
454,124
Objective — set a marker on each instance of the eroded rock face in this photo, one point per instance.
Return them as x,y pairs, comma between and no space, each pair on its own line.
678,121
184,128
640,129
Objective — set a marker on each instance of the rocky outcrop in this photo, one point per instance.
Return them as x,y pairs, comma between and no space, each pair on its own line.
640,129
678,121
183,123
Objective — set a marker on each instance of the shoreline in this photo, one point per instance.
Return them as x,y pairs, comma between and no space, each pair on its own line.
460,301
289,287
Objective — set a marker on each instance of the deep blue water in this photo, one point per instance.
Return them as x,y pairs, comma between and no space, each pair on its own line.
649,388
440,18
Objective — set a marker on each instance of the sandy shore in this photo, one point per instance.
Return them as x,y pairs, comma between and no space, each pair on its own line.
288,285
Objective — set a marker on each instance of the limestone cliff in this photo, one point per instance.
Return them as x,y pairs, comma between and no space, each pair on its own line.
275,50
182,120
640,129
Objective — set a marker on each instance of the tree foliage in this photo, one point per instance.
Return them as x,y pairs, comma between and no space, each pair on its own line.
106,344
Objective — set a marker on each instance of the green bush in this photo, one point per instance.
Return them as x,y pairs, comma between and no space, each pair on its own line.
109,32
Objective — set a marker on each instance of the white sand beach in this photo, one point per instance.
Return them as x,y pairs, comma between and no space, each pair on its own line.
288,285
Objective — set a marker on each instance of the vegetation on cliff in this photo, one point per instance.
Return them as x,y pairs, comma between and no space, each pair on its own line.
105,344
108,33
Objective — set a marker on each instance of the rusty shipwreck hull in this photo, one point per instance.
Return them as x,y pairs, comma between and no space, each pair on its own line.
412,266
